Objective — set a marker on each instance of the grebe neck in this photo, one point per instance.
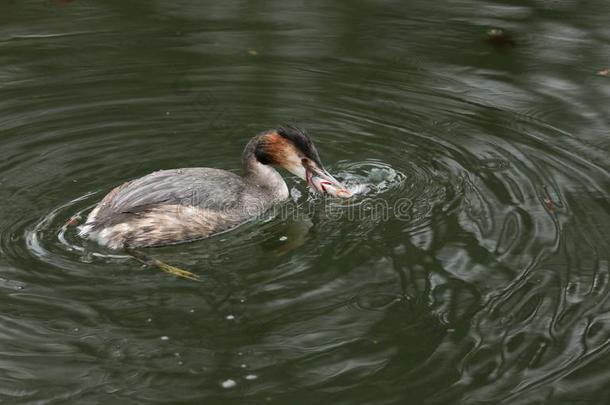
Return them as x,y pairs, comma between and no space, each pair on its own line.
262,176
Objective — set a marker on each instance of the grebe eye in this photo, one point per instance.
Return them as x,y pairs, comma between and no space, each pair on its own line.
304,161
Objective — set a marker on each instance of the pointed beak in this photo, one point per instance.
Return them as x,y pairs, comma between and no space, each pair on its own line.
322,182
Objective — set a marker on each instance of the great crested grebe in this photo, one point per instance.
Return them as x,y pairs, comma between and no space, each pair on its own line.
179,205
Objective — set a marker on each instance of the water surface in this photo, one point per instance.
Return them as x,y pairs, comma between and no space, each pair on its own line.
485,281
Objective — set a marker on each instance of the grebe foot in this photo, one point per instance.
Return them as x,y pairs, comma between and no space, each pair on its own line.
168,268
176,271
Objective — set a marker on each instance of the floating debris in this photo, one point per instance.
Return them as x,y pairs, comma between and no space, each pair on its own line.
548,201
283,238
251,377
230,317
604,72
400,250
73,221
228,383
498,38
252,52
164,337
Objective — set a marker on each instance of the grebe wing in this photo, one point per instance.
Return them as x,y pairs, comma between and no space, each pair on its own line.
211,189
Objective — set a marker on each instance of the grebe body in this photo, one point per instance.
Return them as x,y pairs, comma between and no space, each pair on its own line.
179,205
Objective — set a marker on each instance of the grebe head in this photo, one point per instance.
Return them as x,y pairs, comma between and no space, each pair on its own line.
292,149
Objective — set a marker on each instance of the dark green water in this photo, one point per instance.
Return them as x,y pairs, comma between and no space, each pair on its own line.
492,286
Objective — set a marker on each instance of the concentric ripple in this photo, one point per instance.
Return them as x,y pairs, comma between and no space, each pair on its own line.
470,268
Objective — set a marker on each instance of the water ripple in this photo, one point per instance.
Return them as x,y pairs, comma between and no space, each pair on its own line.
471,268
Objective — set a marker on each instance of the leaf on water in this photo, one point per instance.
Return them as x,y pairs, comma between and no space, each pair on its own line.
498,38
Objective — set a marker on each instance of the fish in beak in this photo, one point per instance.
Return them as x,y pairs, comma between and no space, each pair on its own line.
322,182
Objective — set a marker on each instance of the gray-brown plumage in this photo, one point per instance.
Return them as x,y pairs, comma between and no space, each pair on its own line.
171,206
